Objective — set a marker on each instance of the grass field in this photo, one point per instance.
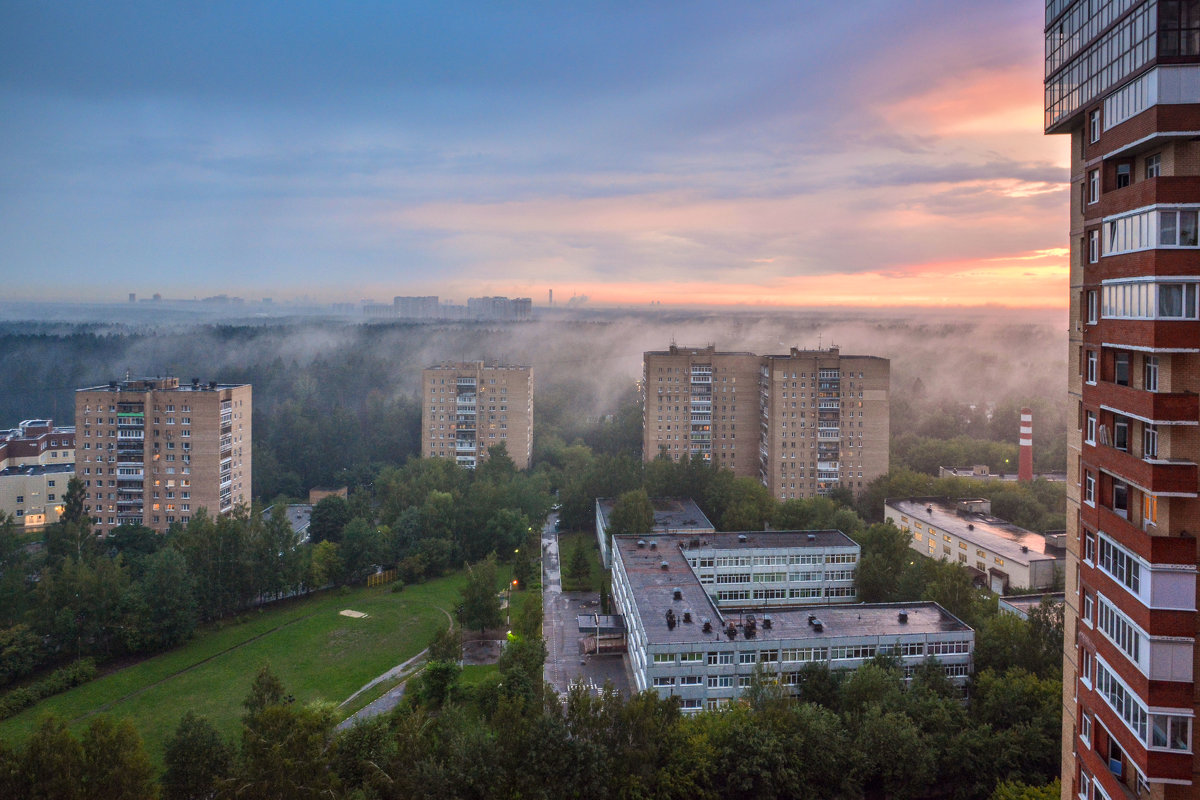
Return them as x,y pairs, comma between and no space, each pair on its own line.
567,542
318,653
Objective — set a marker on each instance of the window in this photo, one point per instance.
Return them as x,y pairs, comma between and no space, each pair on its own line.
1120,565
1094,126
1153,166
1123,174
664,658
1093,307
1120,498
1089,489
1119,629
1177,228
1085,729
1086,618
1170,732
1093,186
1090,428
1089,547
1085,666
1150,373
1121,369
1091,366
1121,433
1149,510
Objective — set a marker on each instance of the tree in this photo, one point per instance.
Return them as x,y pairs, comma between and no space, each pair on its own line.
284,748
446,645
631,513
360,549
1015,790
579,569
329,517
52,764
197,758
480,601
20,653
325,565
162,605
116,766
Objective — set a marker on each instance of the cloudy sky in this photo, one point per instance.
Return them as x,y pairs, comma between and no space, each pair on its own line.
803,152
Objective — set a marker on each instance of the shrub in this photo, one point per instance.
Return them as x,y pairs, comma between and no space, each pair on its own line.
60,680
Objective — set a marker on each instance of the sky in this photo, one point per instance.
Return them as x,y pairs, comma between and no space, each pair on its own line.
807,152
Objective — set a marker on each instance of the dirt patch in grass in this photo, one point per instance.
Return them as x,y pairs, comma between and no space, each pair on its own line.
482,651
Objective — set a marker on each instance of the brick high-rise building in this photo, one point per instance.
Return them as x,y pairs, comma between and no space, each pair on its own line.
809,421
152,451
1123,81
467,408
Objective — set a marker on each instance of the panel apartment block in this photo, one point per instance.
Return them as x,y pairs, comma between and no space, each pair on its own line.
467,408
803,423
1123,83
154,451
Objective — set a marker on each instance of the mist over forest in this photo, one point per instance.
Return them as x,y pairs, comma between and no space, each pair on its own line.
332,395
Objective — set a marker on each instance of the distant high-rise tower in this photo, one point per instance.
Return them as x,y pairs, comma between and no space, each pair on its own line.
1025,445
803,423
468,408
1123,81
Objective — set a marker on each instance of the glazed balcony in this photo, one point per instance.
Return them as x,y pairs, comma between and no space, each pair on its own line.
1163,189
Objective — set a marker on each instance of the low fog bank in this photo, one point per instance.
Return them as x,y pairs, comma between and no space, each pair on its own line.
983,358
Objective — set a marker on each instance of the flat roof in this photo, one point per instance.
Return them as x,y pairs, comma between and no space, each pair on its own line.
1028,602
653,590
299,515
37,469
986,531
670,513
755,540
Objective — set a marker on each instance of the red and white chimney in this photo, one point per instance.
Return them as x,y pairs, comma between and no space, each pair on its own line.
1025,456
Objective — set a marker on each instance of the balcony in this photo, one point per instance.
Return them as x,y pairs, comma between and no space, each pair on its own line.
1157,476
1177,550
701,378
1163,189
464,447
1159,407
465,400
465,382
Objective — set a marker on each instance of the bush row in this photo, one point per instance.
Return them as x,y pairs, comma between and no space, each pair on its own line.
60,680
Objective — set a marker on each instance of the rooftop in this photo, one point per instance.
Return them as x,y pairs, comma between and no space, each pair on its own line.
754,540
653,591
38,469
161,384
1028,602
670,514
298,515
984,530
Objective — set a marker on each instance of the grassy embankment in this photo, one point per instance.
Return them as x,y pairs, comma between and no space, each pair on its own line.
317,653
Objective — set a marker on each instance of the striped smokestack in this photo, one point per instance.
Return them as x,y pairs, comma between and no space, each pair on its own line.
1025,456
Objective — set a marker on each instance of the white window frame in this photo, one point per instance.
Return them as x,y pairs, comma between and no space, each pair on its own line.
1093,187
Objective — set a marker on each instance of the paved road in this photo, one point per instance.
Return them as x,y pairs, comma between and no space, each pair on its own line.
560,629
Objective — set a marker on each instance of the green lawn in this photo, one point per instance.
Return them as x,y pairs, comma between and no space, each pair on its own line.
567,542
319,655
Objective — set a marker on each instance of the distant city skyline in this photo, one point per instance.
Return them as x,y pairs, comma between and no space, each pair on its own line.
783,153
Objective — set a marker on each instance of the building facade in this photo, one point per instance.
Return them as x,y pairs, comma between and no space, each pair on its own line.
153,451
810,421
680,643
999,554
469,407
1123,83
36,461
671,515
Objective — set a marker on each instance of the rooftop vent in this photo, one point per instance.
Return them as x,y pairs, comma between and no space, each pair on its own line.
212,384
1024,549
195,383
654,545
812,537
677,593
903,617
695,543
707,625
731,631
766,622
812,618
742,537
670,619
687,615
818,626
929,509
641,544
970,526
664,566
